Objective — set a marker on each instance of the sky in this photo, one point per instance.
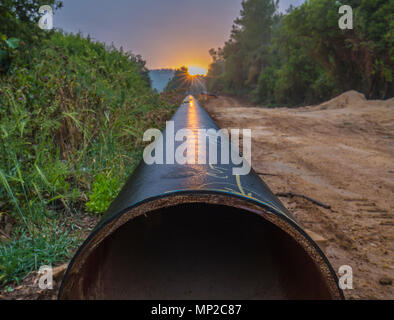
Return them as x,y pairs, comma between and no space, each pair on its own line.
167,33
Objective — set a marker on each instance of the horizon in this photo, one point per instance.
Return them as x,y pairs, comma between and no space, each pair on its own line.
167,34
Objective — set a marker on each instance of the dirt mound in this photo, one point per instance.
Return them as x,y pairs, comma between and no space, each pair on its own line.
389,102
350,98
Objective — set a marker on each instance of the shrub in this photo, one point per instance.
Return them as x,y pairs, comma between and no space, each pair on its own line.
105,189
70,109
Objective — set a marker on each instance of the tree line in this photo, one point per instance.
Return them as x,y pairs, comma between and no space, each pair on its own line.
302,56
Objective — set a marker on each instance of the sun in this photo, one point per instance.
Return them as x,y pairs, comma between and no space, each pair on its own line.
197,71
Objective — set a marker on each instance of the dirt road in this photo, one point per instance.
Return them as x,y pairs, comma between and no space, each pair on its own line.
340,153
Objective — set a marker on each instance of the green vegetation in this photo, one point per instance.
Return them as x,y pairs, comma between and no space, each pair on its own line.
105,190
303,56
72,117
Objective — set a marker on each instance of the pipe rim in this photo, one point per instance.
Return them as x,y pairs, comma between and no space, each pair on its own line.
215,197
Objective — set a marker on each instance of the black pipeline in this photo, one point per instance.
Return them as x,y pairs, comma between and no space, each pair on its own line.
196,231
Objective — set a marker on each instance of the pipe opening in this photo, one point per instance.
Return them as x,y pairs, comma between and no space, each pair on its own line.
199,251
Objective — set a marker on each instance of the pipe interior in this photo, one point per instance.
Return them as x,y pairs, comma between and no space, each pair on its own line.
200,251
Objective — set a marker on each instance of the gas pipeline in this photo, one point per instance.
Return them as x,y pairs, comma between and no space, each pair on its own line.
198,231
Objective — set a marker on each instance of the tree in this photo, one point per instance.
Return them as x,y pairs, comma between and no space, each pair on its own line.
355,59
18,16
18,24
245,53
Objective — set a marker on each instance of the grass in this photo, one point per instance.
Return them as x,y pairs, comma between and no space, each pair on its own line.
25,253
72,117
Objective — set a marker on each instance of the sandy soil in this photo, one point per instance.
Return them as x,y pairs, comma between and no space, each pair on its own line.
341,153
